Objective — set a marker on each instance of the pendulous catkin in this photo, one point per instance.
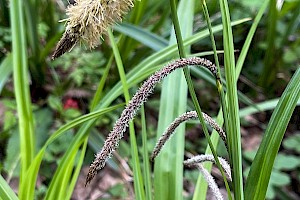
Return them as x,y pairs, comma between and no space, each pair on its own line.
112,141
204,158
88,20
182,118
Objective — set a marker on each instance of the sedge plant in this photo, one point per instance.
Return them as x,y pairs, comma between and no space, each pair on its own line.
88,21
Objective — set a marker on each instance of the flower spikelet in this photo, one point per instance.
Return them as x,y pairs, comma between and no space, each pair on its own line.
211,182
204,158
182,118
88,20
112,141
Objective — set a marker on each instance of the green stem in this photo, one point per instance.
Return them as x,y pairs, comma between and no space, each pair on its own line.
233,131
191,88
98,94
20,73
138,179
218,81
147,173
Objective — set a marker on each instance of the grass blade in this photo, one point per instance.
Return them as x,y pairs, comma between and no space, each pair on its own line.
21,87
98,93
261,168
201,183
270,64
77,170
168,168
149,39
263,106
137,174
31,173
6,193
147,174
244,51
59,183
233,127
31,10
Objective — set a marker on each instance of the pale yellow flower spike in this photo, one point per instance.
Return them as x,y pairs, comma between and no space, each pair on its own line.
88,20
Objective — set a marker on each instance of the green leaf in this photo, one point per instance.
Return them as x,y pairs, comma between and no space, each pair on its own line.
258,179
147,38
73,148
286,162
77,170
12,158
137,174
21,89
146,164
6,193
55,103
270,64
201,183
233,123
5,70
43,119
71,113
168,168
278,179
292,142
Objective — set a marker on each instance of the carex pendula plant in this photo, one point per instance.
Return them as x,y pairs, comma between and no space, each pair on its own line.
141,96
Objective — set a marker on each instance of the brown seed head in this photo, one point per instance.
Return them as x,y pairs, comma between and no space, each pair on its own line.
88,20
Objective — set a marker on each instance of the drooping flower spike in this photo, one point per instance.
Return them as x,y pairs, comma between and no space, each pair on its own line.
204,158
112,141
182,118
197,161
88,20
210,181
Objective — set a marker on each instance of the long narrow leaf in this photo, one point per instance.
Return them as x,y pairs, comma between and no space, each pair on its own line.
62,174
147,38
21,87
31,173
168,170
263,106
137,174
200,192
233,123
77,170
261,168
6,193
147,174
270,64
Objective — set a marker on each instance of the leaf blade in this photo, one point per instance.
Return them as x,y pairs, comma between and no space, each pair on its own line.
259,175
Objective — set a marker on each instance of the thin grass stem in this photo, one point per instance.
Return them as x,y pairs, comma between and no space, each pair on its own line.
138,179
191,87
21,87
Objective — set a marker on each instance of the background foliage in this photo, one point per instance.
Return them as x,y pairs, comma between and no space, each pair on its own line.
70,104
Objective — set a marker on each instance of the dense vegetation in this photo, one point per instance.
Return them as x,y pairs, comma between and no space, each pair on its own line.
56,114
